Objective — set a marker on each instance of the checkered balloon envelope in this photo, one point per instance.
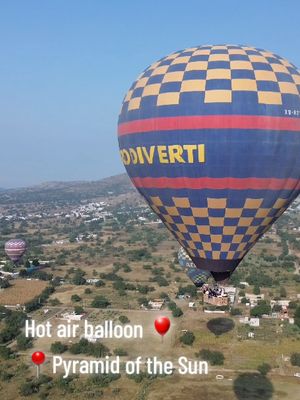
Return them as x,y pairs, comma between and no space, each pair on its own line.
198,276
210,137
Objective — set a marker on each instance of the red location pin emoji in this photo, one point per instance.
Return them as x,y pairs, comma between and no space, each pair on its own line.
38,357
162,325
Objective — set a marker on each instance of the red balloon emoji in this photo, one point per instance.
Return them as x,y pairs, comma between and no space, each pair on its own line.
162,325
38,357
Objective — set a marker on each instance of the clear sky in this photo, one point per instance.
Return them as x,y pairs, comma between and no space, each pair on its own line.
65,66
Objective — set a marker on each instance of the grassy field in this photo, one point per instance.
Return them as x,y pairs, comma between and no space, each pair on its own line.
21,291
176,387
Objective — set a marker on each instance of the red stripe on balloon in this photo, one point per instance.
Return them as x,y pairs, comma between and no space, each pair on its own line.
217,183
209,122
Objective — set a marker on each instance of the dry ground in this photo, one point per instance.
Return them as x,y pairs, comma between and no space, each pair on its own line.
21,291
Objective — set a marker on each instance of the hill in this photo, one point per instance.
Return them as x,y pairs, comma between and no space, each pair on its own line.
67,191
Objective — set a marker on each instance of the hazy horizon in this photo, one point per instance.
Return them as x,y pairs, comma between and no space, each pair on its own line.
64,181
66,66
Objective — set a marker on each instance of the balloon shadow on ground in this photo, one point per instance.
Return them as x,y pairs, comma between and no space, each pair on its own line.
218,326
253,386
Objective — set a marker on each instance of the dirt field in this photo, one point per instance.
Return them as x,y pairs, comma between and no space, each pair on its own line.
21,292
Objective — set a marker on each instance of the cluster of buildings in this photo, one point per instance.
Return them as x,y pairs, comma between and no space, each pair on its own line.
89,212
139,213
219,295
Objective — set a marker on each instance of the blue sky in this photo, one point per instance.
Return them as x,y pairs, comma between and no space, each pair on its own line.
66,65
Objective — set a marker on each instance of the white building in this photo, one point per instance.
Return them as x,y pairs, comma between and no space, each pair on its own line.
254,298
10,274
254,322
282,303
231,292
156,304
89,338
71,316
92,281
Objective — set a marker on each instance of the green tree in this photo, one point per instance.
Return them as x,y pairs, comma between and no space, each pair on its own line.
214,357
100,283
100,302
187,338
235,311
123,319
256,290
4,283
28,388
177,312
297,316
5,353
58,347
120,352
143,301
75,298
264,368
78,310
262,308
78,278
283,291
23,342
295,359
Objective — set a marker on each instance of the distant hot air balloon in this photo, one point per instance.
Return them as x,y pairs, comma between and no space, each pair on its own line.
14,249
198,276
210,136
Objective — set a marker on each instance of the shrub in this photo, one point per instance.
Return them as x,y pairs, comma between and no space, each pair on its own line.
23,342
214,357
120,352
235,311
177,312
75,298
58,348
187,338
123,319
264,368
100,283
295,359
100,302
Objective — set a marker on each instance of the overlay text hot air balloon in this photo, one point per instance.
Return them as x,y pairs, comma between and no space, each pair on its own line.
14,249
210,136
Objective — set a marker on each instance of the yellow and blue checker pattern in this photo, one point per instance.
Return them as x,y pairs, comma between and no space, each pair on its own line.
196,275
218,231
217,74
184,259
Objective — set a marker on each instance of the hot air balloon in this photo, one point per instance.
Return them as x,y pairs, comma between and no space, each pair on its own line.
184,259
210,137
14,249
198,276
